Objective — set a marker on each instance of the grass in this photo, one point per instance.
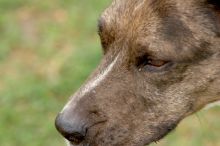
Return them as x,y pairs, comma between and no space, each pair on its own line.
47,49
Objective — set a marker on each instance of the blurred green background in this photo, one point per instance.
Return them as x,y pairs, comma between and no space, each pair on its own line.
47,49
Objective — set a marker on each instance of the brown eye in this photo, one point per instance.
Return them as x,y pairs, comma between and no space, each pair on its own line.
151,64
156,63
146,60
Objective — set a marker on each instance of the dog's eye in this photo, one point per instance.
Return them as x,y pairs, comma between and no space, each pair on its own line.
156,63
151,64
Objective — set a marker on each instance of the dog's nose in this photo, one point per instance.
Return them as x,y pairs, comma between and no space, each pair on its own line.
72,130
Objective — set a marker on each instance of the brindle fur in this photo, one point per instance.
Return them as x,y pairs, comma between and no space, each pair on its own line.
134,106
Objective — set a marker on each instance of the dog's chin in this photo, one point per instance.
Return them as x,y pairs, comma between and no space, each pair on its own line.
70,144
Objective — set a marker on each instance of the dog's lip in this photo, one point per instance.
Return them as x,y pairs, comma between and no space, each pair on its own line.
71,144
87,144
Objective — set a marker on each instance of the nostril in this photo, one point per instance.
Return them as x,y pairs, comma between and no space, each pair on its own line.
75,138
71,130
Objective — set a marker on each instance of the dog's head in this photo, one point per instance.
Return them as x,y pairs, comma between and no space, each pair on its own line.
161,63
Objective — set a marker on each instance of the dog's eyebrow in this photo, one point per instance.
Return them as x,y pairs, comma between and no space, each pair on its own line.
174,30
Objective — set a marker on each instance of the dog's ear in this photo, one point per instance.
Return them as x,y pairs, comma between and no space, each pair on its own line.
214,5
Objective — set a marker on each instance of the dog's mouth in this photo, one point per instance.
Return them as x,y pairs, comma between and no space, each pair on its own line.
121,137
71,144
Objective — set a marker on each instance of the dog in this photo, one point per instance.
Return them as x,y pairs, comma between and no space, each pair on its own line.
161,63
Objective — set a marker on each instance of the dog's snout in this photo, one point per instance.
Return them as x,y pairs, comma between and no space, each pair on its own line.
72,130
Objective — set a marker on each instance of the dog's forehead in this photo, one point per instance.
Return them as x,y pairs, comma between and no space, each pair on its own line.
141,18
146,22
124,12
164,27
124,9
131,19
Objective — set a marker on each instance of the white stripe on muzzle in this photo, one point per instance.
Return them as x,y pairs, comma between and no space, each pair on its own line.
91,84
